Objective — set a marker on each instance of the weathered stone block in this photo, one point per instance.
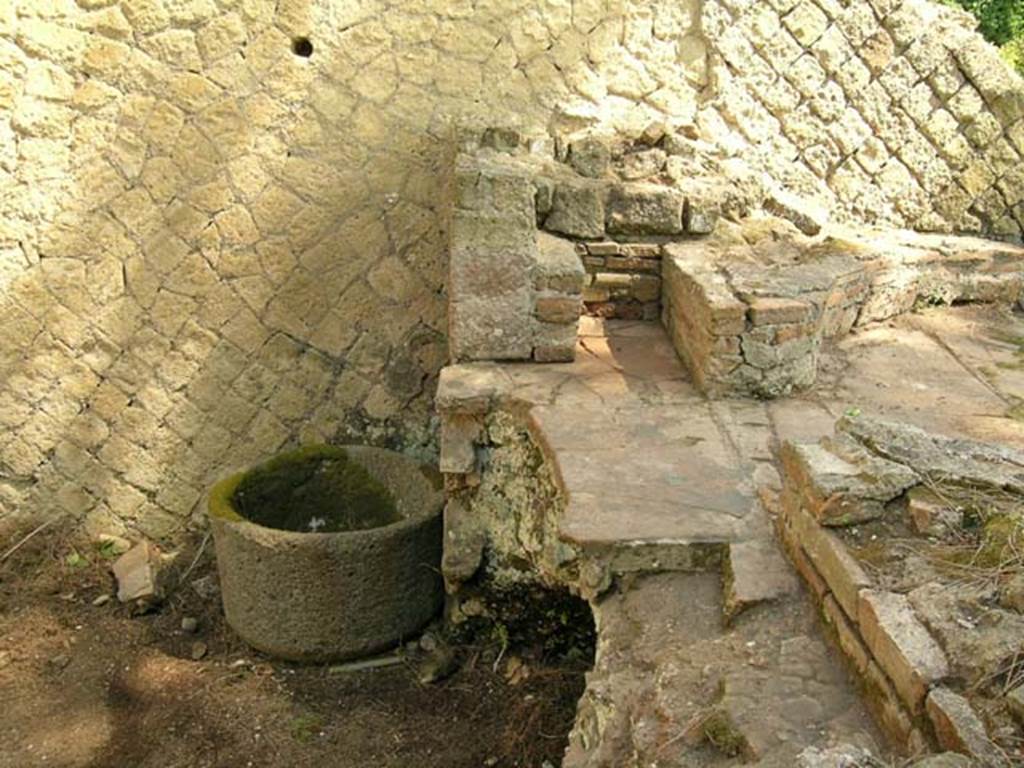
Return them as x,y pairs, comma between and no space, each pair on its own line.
958,728
901,645
641,165
613,281
772,311
590,156
464,543
645,287
845,485
840,571
498,328
577,210
807,216
459,435
558,267
807,23
645,210
846,634
756,573
557,308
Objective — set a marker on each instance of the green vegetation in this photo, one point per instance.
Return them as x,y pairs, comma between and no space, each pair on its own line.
1002,24
316,489
305,727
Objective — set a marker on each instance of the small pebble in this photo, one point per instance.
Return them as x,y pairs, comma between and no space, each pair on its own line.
101,600
189,624
60,661
198,651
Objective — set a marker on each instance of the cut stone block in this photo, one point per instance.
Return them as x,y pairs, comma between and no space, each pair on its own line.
464,544
807,216
840,571
937,457
577,209
889,710
842,483
492,251
846,635
590,156
470,388
772,311
901,645
557,308
459,433
699,219
645,210
558,266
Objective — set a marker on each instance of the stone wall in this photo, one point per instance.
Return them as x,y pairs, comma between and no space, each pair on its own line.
887,111
212,246
870,518
219,219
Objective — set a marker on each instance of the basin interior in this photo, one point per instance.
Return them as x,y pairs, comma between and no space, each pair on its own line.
317,489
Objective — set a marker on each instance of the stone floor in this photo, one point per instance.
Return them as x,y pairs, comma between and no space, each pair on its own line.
659,462
670,681
653,472
957,371
651,463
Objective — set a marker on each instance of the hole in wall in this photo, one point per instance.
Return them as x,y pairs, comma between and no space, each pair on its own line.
302,46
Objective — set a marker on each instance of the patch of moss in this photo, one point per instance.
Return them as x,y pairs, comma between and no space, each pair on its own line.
1002,540
720,731
1016,412
304,727
314,489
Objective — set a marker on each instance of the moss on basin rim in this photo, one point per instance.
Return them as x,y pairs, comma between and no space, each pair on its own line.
319,596
318,488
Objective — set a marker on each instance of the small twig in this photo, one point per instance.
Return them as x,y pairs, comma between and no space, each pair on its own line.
195,560
18,546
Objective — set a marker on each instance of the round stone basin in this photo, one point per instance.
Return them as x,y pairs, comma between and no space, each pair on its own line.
329,553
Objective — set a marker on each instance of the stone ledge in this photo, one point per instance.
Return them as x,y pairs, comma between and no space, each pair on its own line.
750,319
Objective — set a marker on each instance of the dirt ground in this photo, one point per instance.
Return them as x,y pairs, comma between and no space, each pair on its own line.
91,685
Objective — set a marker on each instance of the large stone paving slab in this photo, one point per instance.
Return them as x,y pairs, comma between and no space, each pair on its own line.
957,371
648,473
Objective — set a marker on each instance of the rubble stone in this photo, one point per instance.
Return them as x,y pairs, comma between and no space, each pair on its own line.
958,728
140,574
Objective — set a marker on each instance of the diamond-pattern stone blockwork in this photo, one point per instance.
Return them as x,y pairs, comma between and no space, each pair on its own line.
211,246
